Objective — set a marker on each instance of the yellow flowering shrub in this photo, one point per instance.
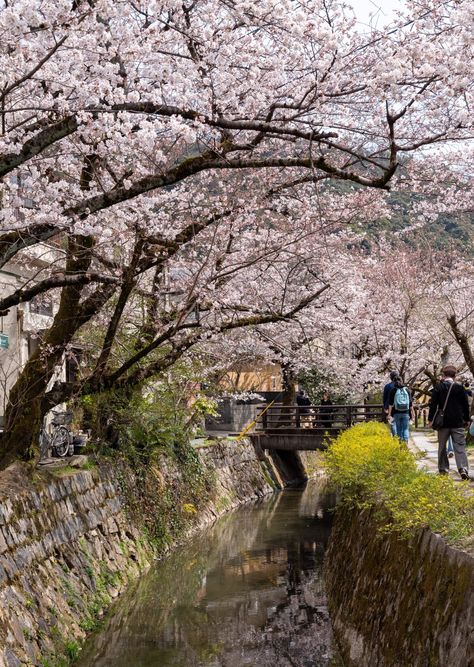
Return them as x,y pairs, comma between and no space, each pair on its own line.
368,466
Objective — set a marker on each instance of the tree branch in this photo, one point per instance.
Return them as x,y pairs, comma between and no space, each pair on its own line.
58,280
463,341
34,146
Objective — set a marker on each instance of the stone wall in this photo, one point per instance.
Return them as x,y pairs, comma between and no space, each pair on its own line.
68,547
239,475
233,416
398,602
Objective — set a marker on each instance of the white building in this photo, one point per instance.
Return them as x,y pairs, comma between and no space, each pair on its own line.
21,327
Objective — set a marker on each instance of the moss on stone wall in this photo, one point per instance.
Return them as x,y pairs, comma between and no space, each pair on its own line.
399,595
398,601
164,497
70,543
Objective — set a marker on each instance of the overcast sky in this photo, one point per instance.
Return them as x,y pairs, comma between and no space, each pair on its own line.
381,9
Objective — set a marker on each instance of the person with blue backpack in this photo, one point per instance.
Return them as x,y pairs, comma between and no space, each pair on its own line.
400,408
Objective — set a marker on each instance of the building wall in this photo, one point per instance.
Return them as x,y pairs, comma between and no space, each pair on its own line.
264,377
21,324
14,357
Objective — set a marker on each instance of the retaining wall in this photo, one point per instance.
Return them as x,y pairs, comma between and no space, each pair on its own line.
68,547
398,602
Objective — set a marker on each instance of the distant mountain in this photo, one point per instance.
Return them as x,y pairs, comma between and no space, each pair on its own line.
447,231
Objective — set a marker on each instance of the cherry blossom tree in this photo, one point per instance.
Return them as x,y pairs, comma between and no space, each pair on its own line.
455,310
189,139
415,315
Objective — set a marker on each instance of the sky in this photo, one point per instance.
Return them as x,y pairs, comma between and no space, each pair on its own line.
382,9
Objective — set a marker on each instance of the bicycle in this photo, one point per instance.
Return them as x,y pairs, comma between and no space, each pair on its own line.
60,442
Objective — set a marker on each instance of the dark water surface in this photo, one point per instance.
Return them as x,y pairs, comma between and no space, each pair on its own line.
246,592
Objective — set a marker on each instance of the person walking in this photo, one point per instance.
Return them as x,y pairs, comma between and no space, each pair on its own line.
303,402
386,397
467,388
302,399
451,400
400,407
325,411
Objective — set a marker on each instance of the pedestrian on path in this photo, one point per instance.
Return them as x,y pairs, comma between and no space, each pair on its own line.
303,401
467,388
386,397
400,408
450,399
326,410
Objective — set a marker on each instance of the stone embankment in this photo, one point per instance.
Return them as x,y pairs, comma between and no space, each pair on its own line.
398,602
68,547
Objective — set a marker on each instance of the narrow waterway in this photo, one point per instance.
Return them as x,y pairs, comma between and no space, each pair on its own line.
246,592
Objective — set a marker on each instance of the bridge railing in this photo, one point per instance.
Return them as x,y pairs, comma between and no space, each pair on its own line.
316,417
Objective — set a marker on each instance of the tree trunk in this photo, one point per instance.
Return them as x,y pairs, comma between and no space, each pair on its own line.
287,417
24,413
289,383
25,409
463,341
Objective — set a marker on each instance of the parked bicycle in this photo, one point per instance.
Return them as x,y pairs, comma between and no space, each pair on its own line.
60,441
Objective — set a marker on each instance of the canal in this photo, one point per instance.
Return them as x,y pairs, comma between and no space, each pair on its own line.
248,591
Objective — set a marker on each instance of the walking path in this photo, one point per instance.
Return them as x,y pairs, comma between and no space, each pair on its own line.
426,441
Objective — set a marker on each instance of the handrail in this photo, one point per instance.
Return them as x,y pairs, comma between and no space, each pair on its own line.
316,417
243,433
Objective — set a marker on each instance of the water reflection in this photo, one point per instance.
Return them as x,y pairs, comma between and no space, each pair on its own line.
248,591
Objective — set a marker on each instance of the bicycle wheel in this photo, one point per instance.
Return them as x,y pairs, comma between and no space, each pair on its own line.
60,441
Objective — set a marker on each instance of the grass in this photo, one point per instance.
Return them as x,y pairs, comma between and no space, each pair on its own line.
72,649
369,468
67,470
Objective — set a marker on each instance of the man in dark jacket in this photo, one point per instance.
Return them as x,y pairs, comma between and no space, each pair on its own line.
455,421
303,401
386,399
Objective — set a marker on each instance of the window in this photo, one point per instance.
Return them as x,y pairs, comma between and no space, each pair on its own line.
42,304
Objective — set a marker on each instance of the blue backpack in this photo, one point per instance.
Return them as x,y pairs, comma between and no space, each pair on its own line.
401,402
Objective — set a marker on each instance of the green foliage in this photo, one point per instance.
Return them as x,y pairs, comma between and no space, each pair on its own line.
28,635
165,493
448,232
72,649
154,417
316,382
369,467
151,427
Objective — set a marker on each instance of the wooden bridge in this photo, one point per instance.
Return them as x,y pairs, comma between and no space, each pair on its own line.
295,427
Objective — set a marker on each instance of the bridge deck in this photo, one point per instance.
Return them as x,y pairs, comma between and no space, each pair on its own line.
294,427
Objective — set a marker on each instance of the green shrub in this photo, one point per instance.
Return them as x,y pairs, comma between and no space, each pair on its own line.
72,649
369,467
165,504
154,417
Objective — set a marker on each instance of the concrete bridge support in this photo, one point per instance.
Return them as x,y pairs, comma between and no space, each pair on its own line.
287,462
289,466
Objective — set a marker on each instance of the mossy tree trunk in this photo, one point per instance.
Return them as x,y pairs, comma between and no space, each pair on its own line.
289,385
26,408
288,394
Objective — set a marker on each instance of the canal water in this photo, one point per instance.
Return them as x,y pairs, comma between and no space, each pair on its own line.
248,591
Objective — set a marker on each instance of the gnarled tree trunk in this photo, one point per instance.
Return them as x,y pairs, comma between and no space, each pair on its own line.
25,409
